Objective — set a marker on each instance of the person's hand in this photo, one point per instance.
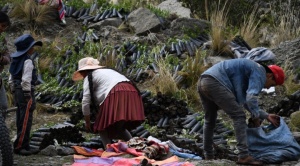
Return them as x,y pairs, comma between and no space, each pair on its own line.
274,119
87,123
88,126
27,96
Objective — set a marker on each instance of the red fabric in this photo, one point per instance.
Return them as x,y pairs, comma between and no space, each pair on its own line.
118,148
123,103
87,151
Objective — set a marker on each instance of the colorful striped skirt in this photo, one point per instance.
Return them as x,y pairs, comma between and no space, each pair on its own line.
123,104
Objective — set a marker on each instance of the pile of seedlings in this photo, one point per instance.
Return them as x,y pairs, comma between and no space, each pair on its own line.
94,14
62,133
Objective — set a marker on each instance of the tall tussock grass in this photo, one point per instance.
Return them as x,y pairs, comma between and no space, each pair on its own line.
287,23
219,32
193,67
290,85
31,12
164,81
249,28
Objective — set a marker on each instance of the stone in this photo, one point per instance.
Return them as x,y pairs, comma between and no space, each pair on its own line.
143,21
49,151
175,7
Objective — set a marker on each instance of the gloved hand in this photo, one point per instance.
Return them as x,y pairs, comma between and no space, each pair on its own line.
27,96
274,119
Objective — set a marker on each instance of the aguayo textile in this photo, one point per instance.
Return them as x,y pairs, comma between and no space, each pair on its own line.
273,145
112,156
119,161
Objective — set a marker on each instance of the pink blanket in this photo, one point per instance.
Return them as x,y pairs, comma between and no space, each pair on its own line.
119,161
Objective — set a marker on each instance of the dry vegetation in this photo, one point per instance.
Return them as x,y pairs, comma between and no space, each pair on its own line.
221,33
33,13
249,28
287,24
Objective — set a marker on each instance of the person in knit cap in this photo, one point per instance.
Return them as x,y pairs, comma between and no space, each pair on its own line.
233,85
118,103
22,80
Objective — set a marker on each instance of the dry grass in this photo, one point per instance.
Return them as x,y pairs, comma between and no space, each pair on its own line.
219,31
45,63
34,14
287,26
49,52
109,58
164,82
193,99
193,67
249,27
289,85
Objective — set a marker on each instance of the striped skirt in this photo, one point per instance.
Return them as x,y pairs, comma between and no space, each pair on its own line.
123,104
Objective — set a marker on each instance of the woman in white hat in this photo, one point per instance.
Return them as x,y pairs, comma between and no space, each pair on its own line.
117,101
22,80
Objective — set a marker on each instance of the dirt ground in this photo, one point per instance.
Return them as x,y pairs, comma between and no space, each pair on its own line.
41,119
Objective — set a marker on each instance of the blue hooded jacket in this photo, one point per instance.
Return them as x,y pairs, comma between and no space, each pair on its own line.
245,79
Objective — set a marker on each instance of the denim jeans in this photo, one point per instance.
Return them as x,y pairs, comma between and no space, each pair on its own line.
215,96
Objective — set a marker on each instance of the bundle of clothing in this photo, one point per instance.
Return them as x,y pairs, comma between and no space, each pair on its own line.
151,149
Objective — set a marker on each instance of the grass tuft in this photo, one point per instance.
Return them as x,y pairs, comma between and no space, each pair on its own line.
33,13
219,32
164,82
287,25
249,28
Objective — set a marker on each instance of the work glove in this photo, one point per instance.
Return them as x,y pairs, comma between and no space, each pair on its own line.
274,119
27,96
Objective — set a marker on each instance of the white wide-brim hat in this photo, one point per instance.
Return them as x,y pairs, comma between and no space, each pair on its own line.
87,63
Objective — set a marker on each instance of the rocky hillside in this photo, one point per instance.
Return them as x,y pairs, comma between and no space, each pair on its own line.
133,42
